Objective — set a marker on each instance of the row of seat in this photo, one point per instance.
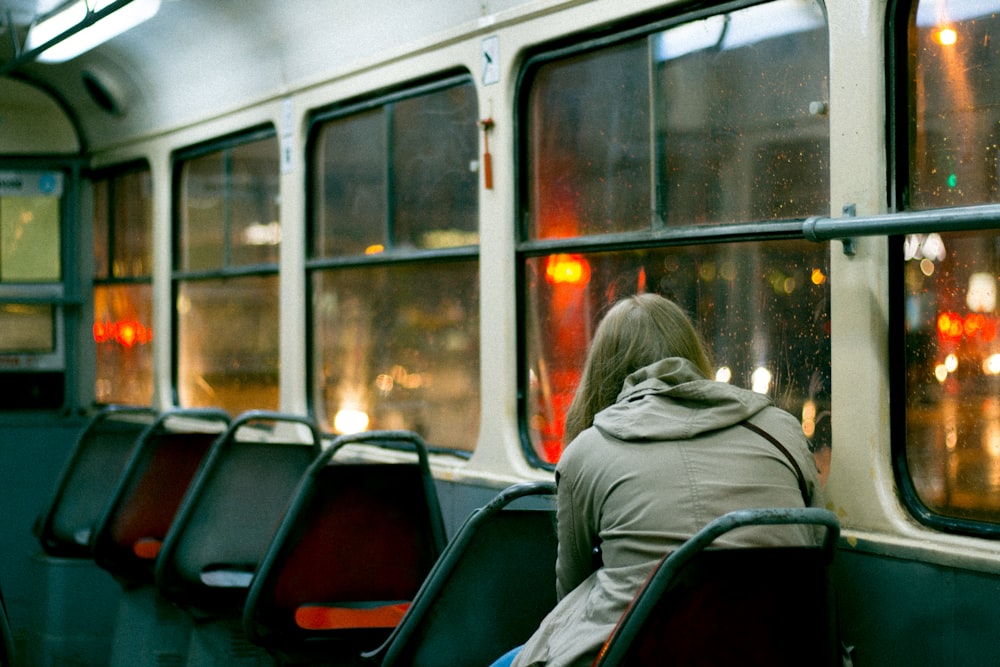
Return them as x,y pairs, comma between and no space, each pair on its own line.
283,551
253,526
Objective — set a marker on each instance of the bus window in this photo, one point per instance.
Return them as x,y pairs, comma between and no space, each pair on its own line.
951,458
394,270
690,125
226,274
955,127
123,294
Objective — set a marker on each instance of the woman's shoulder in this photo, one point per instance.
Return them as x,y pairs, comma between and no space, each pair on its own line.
590,448
787,430
779,422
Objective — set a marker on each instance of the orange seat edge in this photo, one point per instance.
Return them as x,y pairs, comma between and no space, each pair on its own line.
332,617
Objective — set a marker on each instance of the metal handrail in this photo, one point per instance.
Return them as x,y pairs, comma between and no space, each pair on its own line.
966,218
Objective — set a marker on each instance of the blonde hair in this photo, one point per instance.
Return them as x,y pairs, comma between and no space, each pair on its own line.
636,332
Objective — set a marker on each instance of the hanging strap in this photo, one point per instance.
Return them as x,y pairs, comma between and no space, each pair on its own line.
795,466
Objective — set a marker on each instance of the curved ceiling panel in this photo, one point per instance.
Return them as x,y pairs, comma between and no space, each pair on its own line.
23,109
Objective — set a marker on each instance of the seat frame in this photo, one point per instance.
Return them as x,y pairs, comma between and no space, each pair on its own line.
402,643
347,643
7,654
86,448
169,580
105,551
616,649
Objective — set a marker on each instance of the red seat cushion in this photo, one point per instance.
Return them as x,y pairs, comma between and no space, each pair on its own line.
330,617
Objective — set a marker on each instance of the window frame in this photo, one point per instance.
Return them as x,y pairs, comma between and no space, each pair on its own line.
663,237
899,96
349,108
108,278
227,270
392,255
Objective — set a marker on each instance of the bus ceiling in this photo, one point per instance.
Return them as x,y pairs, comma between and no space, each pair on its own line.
191,61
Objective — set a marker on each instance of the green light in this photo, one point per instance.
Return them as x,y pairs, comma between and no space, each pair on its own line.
952,180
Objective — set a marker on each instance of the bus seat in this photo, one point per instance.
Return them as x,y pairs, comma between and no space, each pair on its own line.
231,510
351,551
6,637
73,608
223,527
128,535
490,589
65,526
740,606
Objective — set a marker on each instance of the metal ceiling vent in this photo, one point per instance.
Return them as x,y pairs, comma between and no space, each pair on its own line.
104,92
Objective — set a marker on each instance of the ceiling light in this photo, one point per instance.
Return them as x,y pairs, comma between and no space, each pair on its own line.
85,32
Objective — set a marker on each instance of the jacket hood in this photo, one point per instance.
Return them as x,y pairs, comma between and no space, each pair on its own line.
671,400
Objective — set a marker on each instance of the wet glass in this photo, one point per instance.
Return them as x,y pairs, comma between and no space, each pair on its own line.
397,347
955,91
227,325
255,228
132,225
229,212
762,309
227,343
435,194
952,355
715,121
719,120
123,225
102,229
123,295
201,241
123,336
400,176
740,114
953,372
395,322
589,144
349,185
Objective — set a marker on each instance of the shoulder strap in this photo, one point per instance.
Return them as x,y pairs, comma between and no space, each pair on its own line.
795,466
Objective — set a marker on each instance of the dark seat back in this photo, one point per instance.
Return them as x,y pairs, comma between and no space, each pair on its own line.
145,499
6,637
65,527
352,550
232,509
741,607
490,589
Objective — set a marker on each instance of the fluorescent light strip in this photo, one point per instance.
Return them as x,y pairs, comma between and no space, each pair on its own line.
72,15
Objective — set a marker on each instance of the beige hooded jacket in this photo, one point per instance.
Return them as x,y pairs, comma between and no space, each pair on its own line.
659,464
